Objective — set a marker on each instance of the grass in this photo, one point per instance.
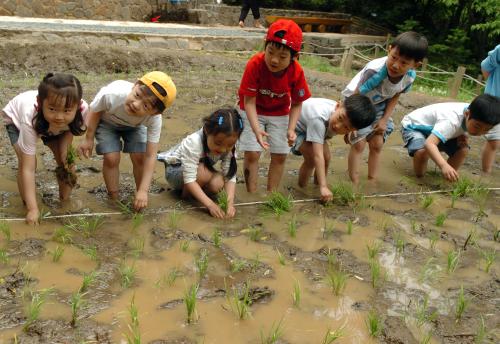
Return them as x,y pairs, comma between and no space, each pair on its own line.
463,187
489,258
331,258
292,227
4,256
173,219
343,193
239,301
57,253
426,339
278,204
373,250
201,263
190,302
333,335
255,233
337,280
399,243
440,219
296,294
426,201
374,324
429,270
433,238
275,333
91,252
217,238
452,259
223,201
137,220
481,332
281,257
255,262
471,239
422,314
349,227
88,226
328,228
169,279
413,226
376,272
5,230
184,245
461,305
127,275
136,246
77,302
125,208
62,235
88,280
134,337
237,265
35,306
318,63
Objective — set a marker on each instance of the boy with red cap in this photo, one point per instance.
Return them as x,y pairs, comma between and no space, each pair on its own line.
271,93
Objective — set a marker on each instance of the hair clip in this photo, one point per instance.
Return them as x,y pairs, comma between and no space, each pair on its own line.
221,119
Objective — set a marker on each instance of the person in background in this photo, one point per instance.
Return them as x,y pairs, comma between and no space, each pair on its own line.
254,5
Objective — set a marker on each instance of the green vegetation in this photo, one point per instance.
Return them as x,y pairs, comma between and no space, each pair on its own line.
343,193
296,294
88,280
422,314
5,230
137,220
275,333
217,238
57,253
318,63
429,270
71,155
76,302
374,324
481,332
433,238
255,233
201,263
461,304
134,336
62,235
426,201
278,204
337,280
223,200
452,259
489,257
349,227
239,301
169,279
91,252
376,272
373,250
173,219
440,218
35,306
292,226
184,245
136,246
4,256
127,275
399,243
190,302
333,335
281,257
88,226
237,265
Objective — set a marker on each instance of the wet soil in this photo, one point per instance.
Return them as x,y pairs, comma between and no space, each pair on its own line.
268,264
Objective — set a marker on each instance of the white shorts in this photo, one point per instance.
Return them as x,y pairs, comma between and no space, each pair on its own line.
493,134
275,126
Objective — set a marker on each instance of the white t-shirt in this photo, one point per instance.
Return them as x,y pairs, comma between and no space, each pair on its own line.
111,100
189,152
20,112
314,118
445,120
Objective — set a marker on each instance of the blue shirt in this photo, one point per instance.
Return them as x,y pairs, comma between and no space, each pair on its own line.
491,64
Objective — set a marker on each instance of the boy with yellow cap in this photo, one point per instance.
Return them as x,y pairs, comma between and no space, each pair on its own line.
127,116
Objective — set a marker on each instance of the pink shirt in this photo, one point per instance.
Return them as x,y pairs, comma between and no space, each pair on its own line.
20,112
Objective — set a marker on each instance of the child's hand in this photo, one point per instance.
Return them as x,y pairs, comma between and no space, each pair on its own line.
85,149
260,138
216,211
291,136
326,194
231,211
449,173
141,200
33,217
380,127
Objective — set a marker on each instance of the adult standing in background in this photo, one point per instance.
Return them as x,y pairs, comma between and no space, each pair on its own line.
491,70
254,5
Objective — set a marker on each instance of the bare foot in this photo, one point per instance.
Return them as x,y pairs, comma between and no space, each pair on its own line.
258,25
241,23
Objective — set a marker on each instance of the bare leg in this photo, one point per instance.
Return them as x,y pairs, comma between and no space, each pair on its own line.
209,181
138,167
457,159
354,160
420,159
111,173
60,150
275,172
375,144
488,155
307,167
251,170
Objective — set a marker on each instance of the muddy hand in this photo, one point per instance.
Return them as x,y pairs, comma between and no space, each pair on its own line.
33,217
216,211
260,139
141,200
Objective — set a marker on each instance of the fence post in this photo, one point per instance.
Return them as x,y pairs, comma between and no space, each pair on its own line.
377,51
388,41
344,57
456,82
348,62
425,61
478,85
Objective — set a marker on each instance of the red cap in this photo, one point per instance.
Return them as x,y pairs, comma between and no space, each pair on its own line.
292,37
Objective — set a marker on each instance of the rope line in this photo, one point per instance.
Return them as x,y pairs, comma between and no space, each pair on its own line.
243,204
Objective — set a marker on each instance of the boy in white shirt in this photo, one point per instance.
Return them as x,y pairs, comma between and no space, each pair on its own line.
128,112
320,119
443,127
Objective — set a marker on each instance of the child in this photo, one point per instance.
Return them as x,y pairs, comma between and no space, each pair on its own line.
383,80
490,67
271,93
54,113
132,113
319,120
442,127
189,166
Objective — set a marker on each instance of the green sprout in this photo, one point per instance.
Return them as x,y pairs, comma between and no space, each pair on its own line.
255,233
433,238
201,263
376,272
137,220
135,334
136,246
422,312
481,332
91,252
333,335
461,305
343,193
169,279
62,235
217,238
5,230
452,260
57,253
440,219
127,275
349,227
337,280
190,302
489,258
426,201
281,257
292,227
35,306
278,204
4,256
173,219
296,294
88,280
223,201
237,265
184,245
373,250
275,333
76,302
240,301
374,324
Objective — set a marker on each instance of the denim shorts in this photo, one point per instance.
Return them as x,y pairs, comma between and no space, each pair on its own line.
367,132
113,138
415,140
301,137
174,176
493,134
13,134
275,126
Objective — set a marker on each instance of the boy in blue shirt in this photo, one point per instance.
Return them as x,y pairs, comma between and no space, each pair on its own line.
383,80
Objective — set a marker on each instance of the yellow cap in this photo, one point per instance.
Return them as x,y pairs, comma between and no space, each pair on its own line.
165,82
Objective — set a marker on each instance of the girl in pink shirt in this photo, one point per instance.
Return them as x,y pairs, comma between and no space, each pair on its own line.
54,113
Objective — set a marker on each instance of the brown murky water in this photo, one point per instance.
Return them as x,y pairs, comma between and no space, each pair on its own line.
412,264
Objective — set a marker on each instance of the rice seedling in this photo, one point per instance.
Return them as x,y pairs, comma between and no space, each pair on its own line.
255,233
88,280
374,324
426,201
489,258
426,339
440,219
134,337
452,259
343,193
276,332
62,235
399,243
71,155
216,238
223,200
237,265
35,306
43,215
496,235
471,239
331,258
376,272
296,294
480,196
173,219
433,238
328,228
373,250
201,263
127,275
333,335
461,305
337,280
5,230
76,302
239,301
281,257
422,314
463,187
255,262
413,226
88,226
137,220
428,271
136,246
4,256
278,204
481,332
190,302
349,227
292,227
125,208
384,224
57,253
184,245
169,279
91,252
